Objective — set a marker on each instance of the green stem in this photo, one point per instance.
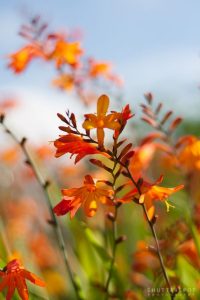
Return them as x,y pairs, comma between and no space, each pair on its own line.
114,225
114,248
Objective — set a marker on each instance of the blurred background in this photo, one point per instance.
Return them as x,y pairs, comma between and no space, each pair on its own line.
154,46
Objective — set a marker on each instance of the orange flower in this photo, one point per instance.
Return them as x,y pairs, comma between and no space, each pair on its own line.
103,69
66,53
7,104
21,59
188,248
14,276
144,259
73,144
189,152
101,121
64,82
88,195
44,152
10,155
150,193
99,68
141,159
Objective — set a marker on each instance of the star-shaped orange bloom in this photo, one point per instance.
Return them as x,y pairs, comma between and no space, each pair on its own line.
14,276
101,120
75,145
150,193
88,195
21,59
66,53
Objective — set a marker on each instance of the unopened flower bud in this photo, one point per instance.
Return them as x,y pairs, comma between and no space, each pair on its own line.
110,216
121,239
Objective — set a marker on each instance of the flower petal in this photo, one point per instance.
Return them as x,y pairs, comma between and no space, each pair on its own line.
90,206
22,288
11,288
63,207
3,283
33,278
87,124
102,105
151,212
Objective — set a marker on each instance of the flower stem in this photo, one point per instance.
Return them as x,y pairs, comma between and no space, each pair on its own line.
114,223
114,248
151,225
44,187
153,231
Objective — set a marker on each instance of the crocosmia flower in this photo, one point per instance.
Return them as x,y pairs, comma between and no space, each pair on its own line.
101,120
75,145
89,195
189,153
66,53
14,276
150,193
99,68
20,60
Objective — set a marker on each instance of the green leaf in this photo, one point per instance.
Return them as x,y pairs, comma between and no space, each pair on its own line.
100,250
187,273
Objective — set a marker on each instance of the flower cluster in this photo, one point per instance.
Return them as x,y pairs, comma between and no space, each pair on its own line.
82,144
75,71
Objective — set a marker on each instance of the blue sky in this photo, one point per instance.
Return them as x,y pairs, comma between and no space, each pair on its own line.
154,45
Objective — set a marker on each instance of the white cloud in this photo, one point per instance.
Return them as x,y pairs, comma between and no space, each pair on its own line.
35,117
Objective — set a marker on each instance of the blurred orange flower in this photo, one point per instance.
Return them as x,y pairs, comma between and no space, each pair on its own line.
66,53
189,152
99,68
103,69
44,152
150,193
14,276
88,195
40,245
73,144
64,82
101,121
141,160
144,259
10,155
188,248
7,104
21,59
